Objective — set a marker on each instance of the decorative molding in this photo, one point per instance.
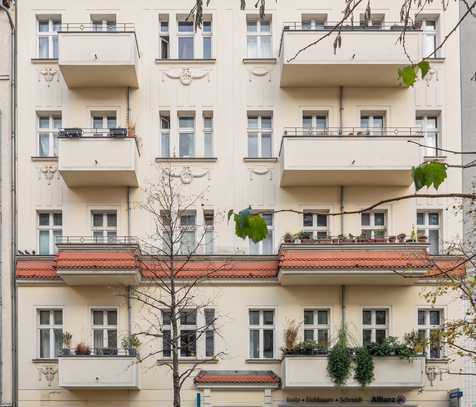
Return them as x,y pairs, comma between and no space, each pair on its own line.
48,173
259,72
432,74
49,373
49,74
186,75
261,171
187,174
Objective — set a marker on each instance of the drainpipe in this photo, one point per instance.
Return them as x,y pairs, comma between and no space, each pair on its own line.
13,198
129,288
341,121
342,306
341,197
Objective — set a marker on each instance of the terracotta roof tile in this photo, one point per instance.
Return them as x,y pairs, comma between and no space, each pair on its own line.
455,266
96,260
36,270
354,259
237,377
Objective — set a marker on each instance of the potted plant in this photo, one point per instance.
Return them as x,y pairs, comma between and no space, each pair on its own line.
82,349
288,238
301,237
392,239
401,237
67,338
422,239
130,344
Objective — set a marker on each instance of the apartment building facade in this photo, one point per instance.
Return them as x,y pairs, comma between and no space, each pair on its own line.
112,96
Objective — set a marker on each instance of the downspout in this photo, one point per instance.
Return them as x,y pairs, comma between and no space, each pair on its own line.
342,305
129,288
13,198
1,268
341,121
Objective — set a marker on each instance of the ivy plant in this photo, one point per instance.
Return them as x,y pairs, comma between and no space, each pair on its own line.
364,366
339,360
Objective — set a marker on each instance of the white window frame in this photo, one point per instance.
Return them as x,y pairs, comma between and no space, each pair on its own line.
208,147
261,327
430,27
104,115
51,131
186,34
258,133
373,129
105,327
428,327
164,36
51,326
207,35
315,230
104,22
372,227
259,34
189,230
51,34
373,326
165,136
258,247
187,132
312,22
51,228
314,129
424,229
105,229
209,231
431,134
315,327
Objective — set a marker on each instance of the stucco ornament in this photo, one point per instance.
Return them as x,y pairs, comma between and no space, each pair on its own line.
186,75
187,174
49,373
261,171
48,173
430,76
260,72
48,73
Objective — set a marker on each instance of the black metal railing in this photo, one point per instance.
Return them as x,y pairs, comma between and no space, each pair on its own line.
97,27
354,132
96,240
77,132
348,26
87,351
307,238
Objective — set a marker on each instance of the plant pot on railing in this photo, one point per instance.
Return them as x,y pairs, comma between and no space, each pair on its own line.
422,239
401,237
82,349
66,352
392,239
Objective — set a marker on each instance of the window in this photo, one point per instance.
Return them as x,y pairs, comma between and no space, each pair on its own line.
429,328
103,22
313,21
208,217
185,37
258,37
104,226
47,131
50,227
260,130
208,134
261,326
373,224
207,37
376,21
104,120
372,123
429,126
314,123
104,331
428,224
265,246
429,26
164,36
316,326
315,225
188,227
186,135
209,332
48,28
50,326
374,325
165,134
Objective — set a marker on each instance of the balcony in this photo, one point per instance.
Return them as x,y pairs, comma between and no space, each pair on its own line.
90,57
97,157
117,370
310,372
368,56
349,156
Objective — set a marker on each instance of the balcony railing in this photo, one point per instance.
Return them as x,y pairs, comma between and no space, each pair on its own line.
65,352
330,25
120,240
306,238
355,132
96,28
77,132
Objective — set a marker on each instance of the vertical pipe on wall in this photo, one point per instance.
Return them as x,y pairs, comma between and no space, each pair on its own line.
341,122
341,199
342,305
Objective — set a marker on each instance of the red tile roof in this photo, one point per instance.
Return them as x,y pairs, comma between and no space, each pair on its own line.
237,377
235,269
96,260
354,259
36,270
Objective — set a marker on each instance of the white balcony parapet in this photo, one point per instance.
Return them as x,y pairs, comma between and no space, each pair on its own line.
310,372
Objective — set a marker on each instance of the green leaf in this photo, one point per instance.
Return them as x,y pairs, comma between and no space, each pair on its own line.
429,174
408,75
424,68
249,225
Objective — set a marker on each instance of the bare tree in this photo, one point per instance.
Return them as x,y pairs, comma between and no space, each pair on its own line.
171,297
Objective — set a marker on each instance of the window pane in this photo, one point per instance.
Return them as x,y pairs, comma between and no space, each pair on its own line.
98,338
254,343
380,335
43,47
209,317
266,148
165,144
268,218
307,122
57,219
380,317
268,343
58,338
112,317
308,219
207,27
44,219
185,26
420,218
43,26
44,246
112,339
185,48
186,145
309,317
44,144
434,238
433,219
44,343
58,317
367,336
266,50
98,318
322,220
322,317
308,335
252,26
209,344
97,219
44,317
323,338
207,47
111,220
268,244
367,317
435,318
379,219
166,344
188,317
44,122
166,317
266,123
254,317
252,145
421,317
365,219
252,122
188,343
55,47
111,122
435,347
268,317
252,46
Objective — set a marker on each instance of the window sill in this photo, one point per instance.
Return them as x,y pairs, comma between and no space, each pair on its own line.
186,160
44,360
39,158
44,60
437,361
260,159
440,158
199,61
188,361
437,59
262,361
272,61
